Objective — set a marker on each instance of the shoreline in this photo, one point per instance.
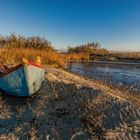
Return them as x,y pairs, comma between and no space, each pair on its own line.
106,62
130,95
69,106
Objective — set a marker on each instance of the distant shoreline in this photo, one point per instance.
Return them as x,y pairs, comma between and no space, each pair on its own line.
106,61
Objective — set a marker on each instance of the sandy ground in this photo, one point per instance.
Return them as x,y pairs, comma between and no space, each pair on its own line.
69,107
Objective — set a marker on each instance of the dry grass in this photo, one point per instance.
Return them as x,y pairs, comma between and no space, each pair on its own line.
10,55
127,55
15,55
75,56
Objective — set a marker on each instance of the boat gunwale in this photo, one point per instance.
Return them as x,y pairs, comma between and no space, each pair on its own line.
11,70
36,65
17,67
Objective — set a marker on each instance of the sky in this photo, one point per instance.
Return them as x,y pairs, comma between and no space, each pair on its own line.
115,24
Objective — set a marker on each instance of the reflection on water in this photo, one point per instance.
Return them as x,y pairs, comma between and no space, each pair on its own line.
119,74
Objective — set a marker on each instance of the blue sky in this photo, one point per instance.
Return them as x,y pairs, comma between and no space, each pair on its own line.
113,23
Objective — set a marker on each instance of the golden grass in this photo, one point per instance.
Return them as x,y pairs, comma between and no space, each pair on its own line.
75,56
15,55
127,55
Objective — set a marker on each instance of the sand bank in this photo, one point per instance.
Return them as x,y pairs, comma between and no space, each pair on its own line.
69,107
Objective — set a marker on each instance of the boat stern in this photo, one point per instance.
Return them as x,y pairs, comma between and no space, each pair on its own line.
35,75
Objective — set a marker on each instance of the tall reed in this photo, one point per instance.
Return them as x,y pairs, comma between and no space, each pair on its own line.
15,55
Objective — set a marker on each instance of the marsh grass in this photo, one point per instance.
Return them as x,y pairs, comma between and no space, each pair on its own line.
75,56
15,55
11,55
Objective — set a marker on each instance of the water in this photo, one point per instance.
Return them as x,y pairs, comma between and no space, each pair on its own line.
119,74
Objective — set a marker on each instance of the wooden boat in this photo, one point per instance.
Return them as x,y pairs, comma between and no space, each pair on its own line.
21,80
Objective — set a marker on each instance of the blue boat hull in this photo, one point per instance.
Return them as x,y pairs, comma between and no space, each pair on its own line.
23,81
